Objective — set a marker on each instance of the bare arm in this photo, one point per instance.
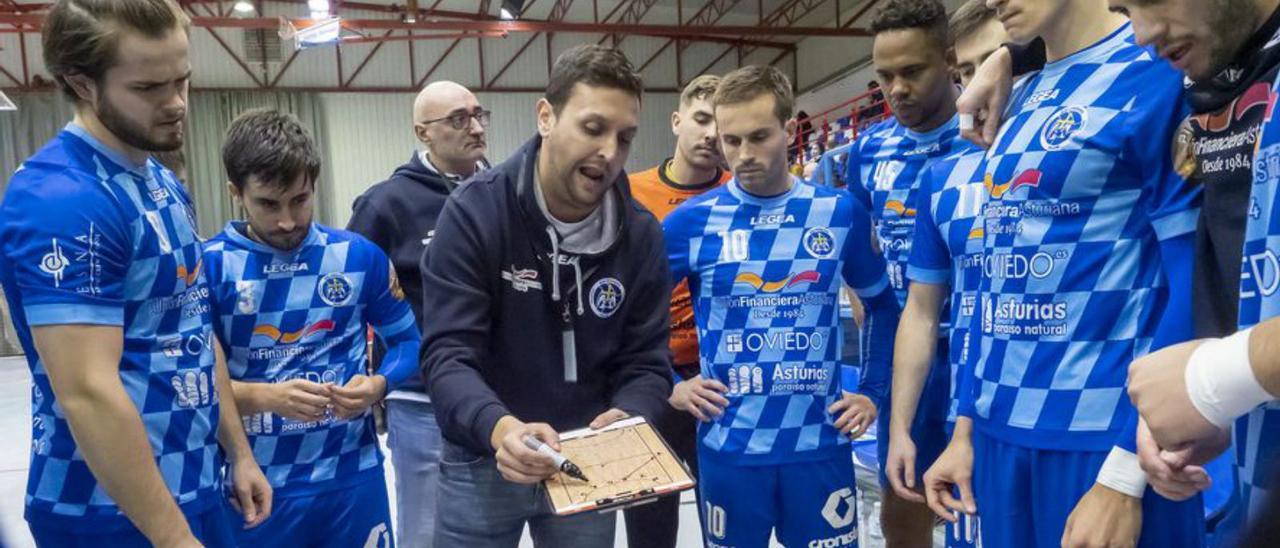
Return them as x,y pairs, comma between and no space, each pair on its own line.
913,352
252,491
231,434
108,428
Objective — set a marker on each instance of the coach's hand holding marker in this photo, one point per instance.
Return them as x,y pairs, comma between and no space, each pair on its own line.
562,463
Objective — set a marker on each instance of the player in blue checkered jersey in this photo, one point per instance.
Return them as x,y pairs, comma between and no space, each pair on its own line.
945,267
765,256
1192,395
885,171
1086,221
293,301
101,265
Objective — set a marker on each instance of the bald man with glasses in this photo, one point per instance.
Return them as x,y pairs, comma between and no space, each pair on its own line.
399,215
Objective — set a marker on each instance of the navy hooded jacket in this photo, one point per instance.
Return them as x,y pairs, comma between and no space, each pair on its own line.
491,272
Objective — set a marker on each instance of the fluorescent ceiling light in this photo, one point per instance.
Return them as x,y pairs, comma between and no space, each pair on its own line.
244,7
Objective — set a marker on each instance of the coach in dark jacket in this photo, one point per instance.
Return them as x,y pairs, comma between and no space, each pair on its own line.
555,288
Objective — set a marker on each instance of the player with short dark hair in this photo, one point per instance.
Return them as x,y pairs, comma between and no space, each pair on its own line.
885,170
553,285
294,300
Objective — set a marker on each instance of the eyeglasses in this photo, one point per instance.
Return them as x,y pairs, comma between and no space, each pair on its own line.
463,119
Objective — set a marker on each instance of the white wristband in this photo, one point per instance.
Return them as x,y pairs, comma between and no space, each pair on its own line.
1122,472
1220,380
966,121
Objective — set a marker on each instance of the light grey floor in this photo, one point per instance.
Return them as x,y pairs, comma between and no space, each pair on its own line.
15,433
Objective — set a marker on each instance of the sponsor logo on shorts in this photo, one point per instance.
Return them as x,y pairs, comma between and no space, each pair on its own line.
840,509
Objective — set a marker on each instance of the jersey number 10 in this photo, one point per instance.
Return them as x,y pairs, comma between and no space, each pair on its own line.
734,245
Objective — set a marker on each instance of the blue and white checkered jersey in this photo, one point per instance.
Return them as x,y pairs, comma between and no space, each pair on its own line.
1257,435
89,237
1081,193
885,170
305,314
947,246
765,276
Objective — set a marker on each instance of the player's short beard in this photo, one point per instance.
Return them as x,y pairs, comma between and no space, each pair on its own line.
129,131
1232,22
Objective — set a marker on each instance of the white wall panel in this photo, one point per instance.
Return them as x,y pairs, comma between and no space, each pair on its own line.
527,70
10,59
460,66
213,66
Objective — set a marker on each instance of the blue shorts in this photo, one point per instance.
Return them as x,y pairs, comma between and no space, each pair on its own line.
1025,496
808,504
358,515
212,528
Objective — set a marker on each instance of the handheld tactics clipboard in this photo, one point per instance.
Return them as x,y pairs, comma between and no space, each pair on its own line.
626,463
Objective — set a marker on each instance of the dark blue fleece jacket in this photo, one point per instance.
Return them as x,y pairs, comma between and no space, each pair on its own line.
501,346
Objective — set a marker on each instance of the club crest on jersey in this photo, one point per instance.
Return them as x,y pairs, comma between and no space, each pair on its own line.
522,279
1062,126
820,242
606,297
335,289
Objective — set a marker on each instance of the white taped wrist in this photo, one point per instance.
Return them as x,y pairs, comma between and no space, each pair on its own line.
1122,473
1220,380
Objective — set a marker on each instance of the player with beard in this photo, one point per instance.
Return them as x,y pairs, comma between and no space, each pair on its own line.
102,267
691,171
1230,52
294,300
885,170
1048,401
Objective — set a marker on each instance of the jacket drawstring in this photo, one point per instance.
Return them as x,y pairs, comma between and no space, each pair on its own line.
577,274
555,262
